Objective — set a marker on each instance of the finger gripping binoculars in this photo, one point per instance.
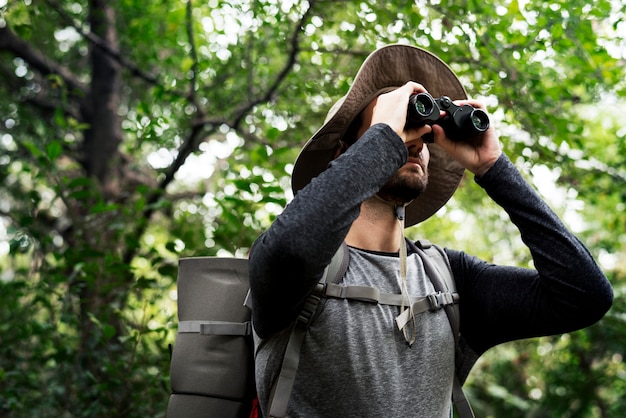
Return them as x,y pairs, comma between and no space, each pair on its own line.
460,123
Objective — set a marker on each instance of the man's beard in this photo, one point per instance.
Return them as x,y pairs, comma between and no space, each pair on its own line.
405,185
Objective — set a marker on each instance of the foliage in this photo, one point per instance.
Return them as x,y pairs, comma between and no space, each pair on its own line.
134,133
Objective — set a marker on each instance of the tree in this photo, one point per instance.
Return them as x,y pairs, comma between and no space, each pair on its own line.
135,133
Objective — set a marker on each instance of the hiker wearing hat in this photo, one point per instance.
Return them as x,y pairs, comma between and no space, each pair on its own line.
361,178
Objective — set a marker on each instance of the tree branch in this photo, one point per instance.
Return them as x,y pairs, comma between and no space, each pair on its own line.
194,56
115,55
294,49
203,127
188,146
10,42
192,141
43,102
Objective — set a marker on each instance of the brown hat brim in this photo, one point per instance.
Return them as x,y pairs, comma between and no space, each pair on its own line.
386,68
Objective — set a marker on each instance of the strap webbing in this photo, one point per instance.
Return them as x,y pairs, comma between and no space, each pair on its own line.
460,402
430,303
372,294
281,390
438,270
435,276
215,328
410,334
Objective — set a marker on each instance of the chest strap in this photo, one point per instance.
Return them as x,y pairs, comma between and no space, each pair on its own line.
432,302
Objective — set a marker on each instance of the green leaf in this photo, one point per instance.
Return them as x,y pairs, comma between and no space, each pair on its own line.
34,149
54,150
107,332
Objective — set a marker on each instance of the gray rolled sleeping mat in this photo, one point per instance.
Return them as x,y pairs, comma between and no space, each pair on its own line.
212,365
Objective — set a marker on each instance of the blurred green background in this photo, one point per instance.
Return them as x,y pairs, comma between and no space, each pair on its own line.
134,133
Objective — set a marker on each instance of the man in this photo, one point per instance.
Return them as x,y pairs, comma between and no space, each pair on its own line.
354,179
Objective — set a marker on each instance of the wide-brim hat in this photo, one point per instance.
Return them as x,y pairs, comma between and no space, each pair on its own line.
383,70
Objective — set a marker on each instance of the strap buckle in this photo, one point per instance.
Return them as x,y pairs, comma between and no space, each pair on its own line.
310,305
439,300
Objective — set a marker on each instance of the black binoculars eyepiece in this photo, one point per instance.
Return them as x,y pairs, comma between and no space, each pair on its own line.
459,122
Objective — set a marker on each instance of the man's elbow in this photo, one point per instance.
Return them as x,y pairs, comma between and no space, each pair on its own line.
599,303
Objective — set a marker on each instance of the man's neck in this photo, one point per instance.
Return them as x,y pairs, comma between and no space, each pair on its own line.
377,227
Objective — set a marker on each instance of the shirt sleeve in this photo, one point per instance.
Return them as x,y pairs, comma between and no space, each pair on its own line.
565,291
287,261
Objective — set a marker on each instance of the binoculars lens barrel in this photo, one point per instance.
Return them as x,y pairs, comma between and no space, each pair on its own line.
423,104
480,120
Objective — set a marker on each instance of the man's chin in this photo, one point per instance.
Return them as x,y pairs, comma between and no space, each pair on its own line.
414,168
400,196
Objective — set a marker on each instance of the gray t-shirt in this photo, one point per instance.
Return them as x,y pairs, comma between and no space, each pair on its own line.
354,351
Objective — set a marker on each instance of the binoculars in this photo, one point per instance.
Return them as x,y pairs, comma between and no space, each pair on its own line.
459,123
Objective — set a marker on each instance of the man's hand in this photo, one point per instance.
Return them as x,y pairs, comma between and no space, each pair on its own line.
391,108
478,155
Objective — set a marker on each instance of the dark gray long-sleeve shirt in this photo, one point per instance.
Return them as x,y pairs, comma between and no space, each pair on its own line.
354,355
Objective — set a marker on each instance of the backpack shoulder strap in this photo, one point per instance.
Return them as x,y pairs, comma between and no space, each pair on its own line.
335,271
281,390
440,259
438,269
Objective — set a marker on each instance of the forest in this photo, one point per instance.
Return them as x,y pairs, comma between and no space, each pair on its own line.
135,133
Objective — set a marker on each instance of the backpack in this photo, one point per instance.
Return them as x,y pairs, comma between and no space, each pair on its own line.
212,361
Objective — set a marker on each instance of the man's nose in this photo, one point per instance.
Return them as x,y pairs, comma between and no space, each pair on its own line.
415,146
